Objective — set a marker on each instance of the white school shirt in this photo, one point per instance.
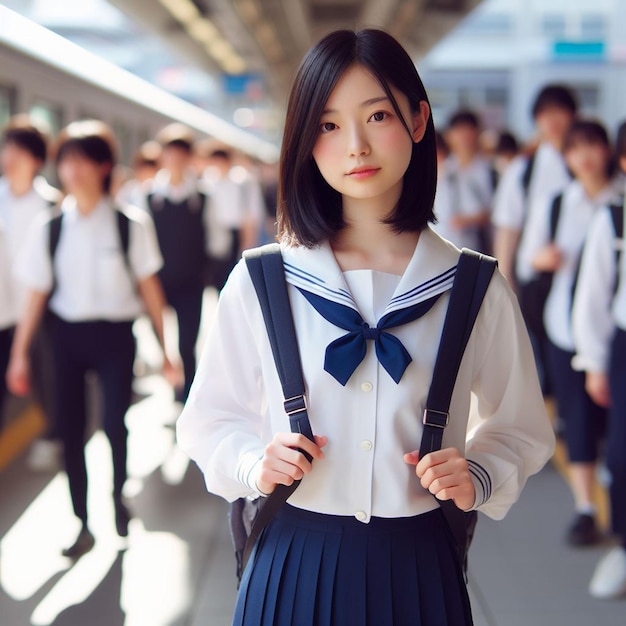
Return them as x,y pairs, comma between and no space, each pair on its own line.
577,211
235,199
465,191
236,405
7,302
93,281
549,177
598,308
18,213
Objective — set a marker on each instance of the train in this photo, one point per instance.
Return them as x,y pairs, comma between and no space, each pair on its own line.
57,82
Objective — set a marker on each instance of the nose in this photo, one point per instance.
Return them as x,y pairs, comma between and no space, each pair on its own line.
357,142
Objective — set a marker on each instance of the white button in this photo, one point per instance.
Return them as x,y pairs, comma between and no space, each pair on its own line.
366,445
367,386
361,516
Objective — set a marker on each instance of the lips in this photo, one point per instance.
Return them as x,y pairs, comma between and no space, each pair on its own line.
363,172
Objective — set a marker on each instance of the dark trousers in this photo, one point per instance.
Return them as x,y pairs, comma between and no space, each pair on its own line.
6,339
108,349
616,436
584,421
187,303
42,376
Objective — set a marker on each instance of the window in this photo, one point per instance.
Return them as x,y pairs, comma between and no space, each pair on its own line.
49,114
487,24
553,26
593,27
7,104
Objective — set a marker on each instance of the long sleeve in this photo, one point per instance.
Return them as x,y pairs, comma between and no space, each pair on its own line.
592,321
509,435
221,427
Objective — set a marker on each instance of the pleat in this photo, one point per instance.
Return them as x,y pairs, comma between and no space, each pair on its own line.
405,582
326,579
350,581
273,583
433,611
378,598
288,584
308,576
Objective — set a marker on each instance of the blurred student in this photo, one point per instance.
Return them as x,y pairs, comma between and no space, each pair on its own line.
532,178
145,167
236,214
464,212
95,269
505,152
25,195
553,243
7,315
179,208
599,325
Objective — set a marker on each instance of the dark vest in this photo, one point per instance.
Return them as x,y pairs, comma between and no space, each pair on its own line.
180,229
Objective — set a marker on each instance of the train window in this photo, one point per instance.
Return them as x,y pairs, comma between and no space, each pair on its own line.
49,114
8,96
123,137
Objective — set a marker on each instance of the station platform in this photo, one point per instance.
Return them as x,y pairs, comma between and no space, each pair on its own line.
177,567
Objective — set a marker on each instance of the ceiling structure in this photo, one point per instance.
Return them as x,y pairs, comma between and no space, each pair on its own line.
270,37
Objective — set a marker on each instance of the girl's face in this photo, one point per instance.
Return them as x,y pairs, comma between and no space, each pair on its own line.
586,159
363,149
79,174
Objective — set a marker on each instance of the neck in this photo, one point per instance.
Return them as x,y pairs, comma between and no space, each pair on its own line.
465,158
87,201
366,242
177,177
21,187
594,185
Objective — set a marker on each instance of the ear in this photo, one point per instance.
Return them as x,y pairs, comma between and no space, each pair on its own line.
420,120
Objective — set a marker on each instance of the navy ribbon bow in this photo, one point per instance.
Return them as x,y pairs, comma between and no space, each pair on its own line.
345,354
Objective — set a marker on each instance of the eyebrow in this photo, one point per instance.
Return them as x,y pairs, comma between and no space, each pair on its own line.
363,105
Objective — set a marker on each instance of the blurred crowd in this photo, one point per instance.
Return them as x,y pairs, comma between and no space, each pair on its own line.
550,208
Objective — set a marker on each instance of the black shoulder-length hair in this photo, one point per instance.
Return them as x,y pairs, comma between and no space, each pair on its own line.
309,209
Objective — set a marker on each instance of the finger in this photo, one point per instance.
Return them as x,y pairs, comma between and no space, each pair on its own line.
273,468
431,460
303,443
320,440
412,458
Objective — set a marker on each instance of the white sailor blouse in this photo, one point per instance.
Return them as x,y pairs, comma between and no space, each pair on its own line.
497,414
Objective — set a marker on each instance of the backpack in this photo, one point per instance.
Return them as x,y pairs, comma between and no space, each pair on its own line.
617,218
249,518
534,293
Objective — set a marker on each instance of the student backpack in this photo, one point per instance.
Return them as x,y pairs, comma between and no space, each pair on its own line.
265,265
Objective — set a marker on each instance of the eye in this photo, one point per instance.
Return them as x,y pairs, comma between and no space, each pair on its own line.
379,116
327,127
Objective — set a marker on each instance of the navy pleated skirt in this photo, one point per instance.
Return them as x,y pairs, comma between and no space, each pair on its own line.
311,569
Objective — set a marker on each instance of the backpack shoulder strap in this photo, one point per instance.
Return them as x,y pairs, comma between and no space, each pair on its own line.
54,234
617,218
555,215
472,279
527,175
265,266
123,229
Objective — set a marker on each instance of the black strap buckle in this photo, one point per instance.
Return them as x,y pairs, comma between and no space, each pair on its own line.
438,419
297,404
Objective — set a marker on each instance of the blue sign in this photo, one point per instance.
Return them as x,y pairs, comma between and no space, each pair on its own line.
585,51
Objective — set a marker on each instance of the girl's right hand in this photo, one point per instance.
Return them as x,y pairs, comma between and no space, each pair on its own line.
548,259
283,463
18,375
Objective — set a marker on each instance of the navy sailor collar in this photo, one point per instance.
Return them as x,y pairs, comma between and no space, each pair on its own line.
430,272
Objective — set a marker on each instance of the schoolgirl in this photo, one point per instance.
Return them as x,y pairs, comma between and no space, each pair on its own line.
599,327
568,215
179,208
7,314
362,540
95,285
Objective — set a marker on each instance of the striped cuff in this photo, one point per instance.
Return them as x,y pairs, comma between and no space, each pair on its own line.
482,483
248,470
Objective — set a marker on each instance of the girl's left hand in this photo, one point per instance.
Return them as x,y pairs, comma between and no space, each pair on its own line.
446,475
